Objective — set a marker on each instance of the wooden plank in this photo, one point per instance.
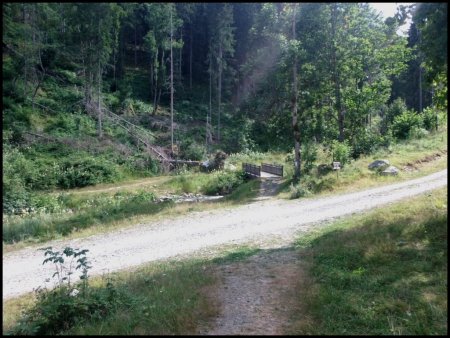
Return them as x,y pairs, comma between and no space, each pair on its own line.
272,169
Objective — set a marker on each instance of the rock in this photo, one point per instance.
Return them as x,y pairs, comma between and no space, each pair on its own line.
379,165
391,170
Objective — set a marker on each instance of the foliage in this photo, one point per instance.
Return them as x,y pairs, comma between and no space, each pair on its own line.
340,152
403,124
299,190
59,309
309,156
193,151
85,172
430,119
224,182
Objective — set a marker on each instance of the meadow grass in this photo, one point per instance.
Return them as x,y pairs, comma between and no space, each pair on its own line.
159,298
104,214
420,153
380,273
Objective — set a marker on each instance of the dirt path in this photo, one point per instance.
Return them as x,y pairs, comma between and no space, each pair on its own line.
256,295
267,223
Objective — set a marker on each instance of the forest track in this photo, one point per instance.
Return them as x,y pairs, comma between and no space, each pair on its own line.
268,224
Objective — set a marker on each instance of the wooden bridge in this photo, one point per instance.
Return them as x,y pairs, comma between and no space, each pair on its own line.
264,170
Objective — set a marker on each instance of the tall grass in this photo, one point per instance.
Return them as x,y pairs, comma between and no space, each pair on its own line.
356,175
380,273
86,212
157,299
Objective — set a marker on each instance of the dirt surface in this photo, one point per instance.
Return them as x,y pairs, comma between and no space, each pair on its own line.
256,295
267,224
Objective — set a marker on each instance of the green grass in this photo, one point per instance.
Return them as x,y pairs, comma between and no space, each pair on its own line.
356,175
106,214
158,298
103,210
383,272
379,273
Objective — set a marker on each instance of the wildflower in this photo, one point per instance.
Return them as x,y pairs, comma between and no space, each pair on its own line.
74,292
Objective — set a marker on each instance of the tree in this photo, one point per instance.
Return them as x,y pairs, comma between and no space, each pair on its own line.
295,126
93,32
222,47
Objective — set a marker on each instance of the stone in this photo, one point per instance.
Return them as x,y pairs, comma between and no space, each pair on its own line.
391,170
379,165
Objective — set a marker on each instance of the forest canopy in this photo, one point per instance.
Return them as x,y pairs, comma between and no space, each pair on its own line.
237,77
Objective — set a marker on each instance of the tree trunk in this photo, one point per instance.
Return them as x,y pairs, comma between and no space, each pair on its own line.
135,47
208,131
160,89
190,58
100,128
336,79
156,83
171,80
295,127
181,59
219,92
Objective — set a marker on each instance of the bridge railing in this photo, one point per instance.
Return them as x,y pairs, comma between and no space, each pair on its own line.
272,169
251,169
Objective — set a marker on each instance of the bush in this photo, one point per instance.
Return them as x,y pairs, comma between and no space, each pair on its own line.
367,142
58,310
193,151
403,124
430,119
224,182
299,190
16,195
89,171
341,152
142,163
309,156
418,133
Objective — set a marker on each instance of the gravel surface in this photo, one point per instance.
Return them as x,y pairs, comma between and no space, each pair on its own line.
256,295
267,223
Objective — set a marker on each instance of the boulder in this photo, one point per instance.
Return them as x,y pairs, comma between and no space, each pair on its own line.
379,165
391,170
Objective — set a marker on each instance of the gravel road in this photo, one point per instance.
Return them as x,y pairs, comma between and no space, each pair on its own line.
262,222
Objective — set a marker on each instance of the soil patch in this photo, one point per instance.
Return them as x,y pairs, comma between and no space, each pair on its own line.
256,296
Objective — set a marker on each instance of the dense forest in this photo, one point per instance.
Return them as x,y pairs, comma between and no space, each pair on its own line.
98,92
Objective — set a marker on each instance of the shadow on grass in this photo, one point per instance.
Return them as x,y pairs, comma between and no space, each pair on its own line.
386,276
245,193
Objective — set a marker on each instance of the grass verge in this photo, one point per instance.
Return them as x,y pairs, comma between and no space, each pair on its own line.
172,297
380,273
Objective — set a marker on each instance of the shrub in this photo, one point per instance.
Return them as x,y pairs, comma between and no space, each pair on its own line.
418,133
143,163
224,182
430,119
59,309
340,152
403,124
89,171
16,195
299,190
193,151
309,156
367,142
